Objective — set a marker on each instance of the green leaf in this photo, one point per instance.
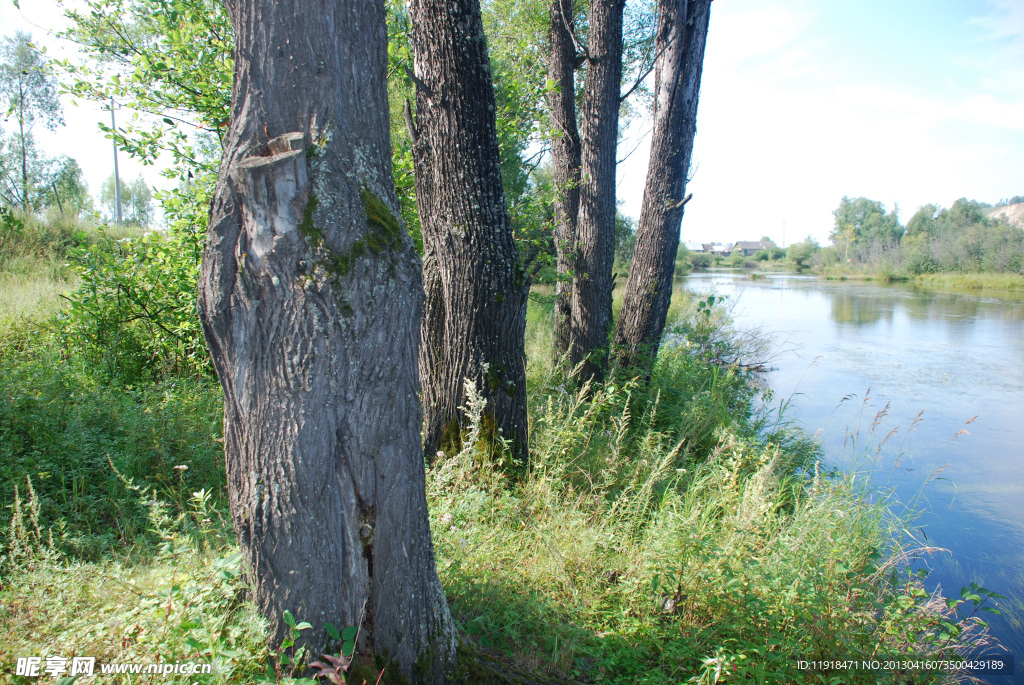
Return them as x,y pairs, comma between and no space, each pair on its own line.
332,631
348,648
992,611
305,625
288,618
349,633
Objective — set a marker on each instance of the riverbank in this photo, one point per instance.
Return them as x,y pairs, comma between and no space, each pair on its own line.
940,369
664,532
1006,282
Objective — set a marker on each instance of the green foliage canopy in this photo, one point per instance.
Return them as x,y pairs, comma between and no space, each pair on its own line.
862,221
168,62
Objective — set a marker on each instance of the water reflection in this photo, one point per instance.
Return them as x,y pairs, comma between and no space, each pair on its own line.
952,355
860,310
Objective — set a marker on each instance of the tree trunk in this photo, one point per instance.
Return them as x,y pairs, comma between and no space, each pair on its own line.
592,283
566,161
311,301
682,35
24,147
476,286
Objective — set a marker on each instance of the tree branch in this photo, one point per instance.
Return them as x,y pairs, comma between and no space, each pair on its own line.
640,79
410,125
570,28
419,83
682,203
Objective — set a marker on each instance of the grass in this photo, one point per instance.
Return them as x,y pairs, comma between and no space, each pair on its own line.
1006,282
668,532
34,269
982,281
845,272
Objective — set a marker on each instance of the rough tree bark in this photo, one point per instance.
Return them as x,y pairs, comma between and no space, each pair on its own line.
682,35
311,300
592,283
566,158
475,283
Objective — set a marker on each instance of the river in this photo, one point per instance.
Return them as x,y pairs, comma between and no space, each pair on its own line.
950,356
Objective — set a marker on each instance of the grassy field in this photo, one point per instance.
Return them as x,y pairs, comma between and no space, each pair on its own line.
670,532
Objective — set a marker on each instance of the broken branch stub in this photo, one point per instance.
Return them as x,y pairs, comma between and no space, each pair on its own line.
274,192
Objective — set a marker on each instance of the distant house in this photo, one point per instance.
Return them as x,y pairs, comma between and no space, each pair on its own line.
716,249
749,247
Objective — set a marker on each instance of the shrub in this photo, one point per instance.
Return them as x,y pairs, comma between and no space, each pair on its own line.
701,260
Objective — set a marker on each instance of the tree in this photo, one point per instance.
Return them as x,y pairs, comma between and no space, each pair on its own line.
862,222
475,282
593,249
801,253
566,159
28,93
311,300
136,201
66,188
681,37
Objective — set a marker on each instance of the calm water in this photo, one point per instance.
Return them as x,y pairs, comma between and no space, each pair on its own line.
953,356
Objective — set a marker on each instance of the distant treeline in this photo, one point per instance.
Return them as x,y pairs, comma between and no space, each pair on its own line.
960,239
866,239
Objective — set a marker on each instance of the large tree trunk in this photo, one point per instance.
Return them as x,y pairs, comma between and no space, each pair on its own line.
682,35
566,160
311,300
476,286
592,283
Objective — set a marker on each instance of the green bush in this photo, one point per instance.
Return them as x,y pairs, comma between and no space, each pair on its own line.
701,260
134,314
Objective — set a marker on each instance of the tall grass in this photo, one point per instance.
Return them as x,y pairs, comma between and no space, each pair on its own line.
981,281
667,531
653,540
34,268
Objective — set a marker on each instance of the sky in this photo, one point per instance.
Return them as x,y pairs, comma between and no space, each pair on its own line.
80,137
907,102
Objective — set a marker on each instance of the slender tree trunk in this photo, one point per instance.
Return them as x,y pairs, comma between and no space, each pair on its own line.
24,148
591,298
311,301
682,35
476,286
566,161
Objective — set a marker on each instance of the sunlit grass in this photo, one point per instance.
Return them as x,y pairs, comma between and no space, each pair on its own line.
35,294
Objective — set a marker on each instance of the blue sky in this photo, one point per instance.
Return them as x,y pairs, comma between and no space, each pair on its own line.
803,101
